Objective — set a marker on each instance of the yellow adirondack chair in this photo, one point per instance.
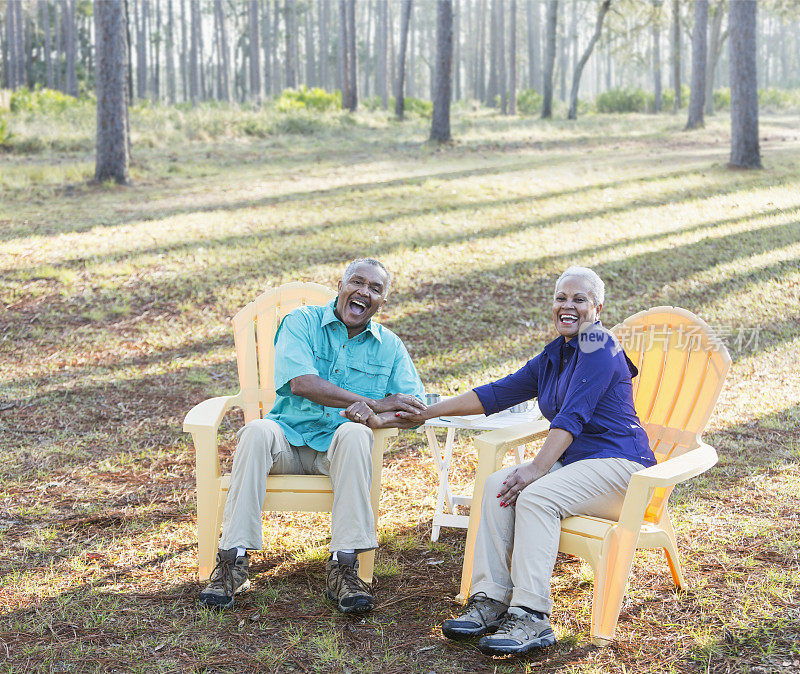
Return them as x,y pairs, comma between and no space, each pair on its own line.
254,333
682,367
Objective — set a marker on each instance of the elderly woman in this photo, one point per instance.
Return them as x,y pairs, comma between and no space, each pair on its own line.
582,380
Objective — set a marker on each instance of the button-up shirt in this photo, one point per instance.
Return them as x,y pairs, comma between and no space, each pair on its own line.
591,398
311,340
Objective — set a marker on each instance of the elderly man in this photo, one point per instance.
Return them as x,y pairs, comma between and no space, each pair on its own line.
327,359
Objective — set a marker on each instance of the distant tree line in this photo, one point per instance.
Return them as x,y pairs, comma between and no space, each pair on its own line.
250,50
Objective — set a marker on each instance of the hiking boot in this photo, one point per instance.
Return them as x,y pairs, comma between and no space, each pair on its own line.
520,632
229,578
480,616
346,589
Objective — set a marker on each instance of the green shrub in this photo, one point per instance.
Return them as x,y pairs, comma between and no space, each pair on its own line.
722,99
308,99
778,98
372,103
622,100
298,124
414,106
668,98
41,100
5,131
529,102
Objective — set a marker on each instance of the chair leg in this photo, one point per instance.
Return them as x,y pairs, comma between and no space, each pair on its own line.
366,560
487,464
366,565
671,551
207,530
611,580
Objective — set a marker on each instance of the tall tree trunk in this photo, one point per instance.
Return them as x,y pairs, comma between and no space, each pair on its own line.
156,42
534,46
576,77
48,47
405,21
223,53
382,53
714,45
255,69
58,23
185,21
563,52
352,54
265,39
195,63
311,66
21,60
411,87
11,43
288,15
502,80
170,55
70,47
492,87
141,55
295,43
551,25
324,27
676,54
457,8
699,57
276,14
745,152
657,56
512,58
440,123
112,95
205,91
481,92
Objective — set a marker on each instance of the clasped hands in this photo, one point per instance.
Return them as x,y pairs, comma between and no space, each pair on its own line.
383,413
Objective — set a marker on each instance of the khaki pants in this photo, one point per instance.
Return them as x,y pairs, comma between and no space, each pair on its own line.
531,529
262,449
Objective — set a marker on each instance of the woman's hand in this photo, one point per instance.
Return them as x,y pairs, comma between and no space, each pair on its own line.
517,480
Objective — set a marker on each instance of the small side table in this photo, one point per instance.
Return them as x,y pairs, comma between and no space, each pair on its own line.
445,514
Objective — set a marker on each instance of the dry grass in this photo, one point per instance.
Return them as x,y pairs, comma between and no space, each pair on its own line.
115,322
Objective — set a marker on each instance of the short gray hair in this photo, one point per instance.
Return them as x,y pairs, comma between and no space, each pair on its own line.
597,289
367,260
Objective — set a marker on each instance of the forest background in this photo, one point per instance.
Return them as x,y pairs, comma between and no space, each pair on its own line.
256,156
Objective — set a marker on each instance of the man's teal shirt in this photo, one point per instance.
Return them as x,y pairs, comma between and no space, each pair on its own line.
311,340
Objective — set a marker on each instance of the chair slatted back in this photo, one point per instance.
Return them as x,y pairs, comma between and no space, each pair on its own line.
254,329
682,368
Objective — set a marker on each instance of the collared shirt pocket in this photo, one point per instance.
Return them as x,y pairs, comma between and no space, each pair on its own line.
369,377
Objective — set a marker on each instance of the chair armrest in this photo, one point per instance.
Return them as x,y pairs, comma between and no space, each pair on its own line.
672,471
665,474
208,414
504,439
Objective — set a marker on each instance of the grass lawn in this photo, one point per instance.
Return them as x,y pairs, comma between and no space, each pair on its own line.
115,322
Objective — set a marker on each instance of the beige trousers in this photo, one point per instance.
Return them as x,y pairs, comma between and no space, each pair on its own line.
262,449
517,546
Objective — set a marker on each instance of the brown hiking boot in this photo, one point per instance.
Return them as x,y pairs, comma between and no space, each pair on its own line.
229,578
346,589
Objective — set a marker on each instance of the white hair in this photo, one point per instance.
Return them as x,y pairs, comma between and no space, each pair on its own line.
367,260
597,289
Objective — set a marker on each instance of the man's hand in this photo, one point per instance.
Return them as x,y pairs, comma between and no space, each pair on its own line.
518,479
359,412
398,402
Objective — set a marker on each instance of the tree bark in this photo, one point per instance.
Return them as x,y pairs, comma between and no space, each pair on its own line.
576,77
549,58
502,80
171,80
512,58
352,56
223,54
288,14
324,27
657,56
70,47
699,57
440,123
405,21
562,52
534,46
457,5
714,46
48,46
194,54
676,54
255,65
481,92
492,87
745,151
112,95
184,52
382,52
58,22
156,43
309,40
